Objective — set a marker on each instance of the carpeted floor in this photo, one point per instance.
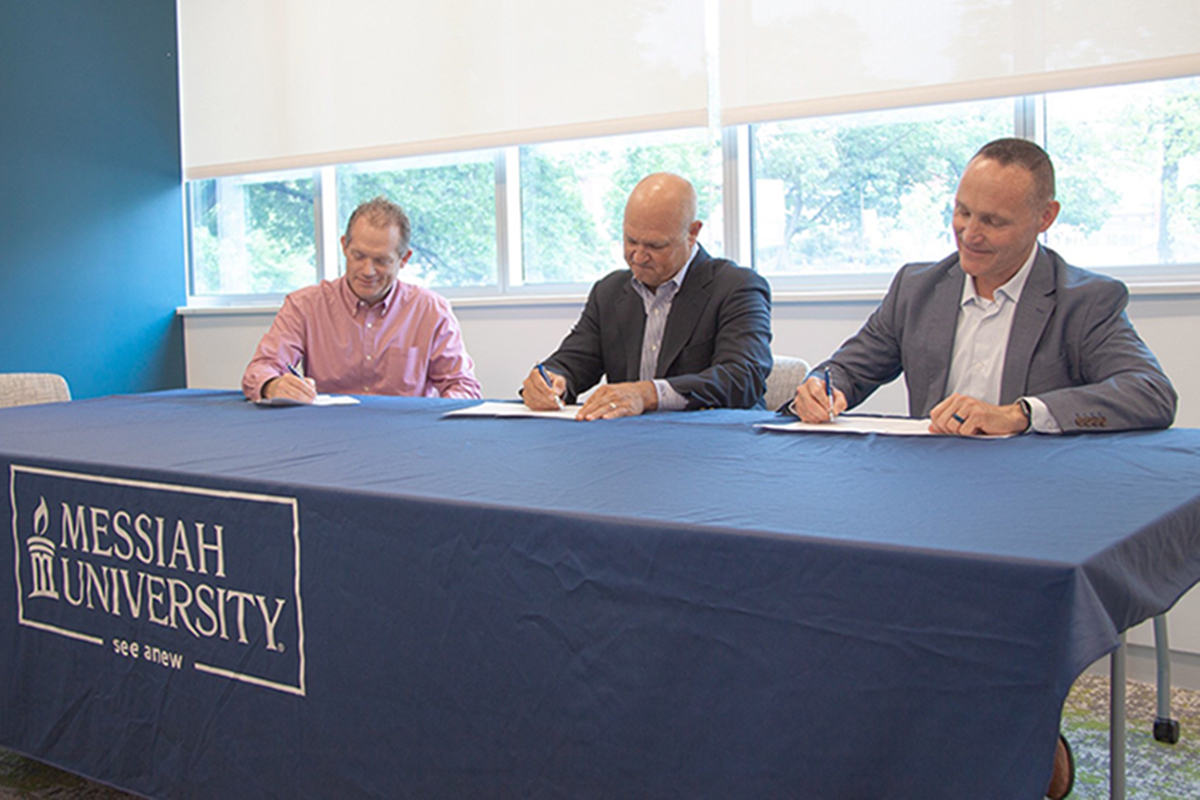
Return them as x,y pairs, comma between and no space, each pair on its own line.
1154,770
26,779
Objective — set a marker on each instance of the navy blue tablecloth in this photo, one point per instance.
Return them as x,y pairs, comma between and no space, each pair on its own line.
399,604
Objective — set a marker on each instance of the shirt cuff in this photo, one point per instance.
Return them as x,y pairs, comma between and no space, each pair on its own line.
1040,418
256,395
668,398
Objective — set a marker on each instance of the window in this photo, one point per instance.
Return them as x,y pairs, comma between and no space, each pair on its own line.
1127,163
835,202
863,193
573,199
451,203
252,234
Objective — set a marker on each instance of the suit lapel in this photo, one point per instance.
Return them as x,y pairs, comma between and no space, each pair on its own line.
1029,322
686,308
944,305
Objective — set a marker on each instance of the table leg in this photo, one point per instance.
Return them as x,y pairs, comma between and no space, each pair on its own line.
1116,723
1166,729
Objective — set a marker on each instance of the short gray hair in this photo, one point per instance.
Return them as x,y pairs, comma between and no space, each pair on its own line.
1024,153
383,213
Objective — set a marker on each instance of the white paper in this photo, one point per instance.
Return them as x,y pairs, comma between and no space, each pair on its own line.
888,426
491,408
892,426
321,400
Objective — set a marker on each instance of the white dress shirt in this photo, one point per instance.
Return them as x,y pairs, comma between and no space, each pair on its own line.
981,342
658,308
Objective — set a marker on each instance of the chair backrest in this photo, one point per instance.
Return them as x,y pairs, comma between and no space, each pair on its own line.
28,388
784,378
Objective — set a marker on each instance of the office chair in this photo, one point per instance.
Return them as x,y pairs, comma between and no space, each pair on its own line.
28,388
785,376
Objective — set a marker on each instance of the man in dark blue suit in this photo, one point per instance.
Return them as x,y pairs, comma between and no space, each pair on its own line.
678,330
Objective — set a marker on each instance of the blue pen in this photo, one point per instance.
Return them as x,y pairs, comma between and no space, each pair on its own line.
295,370
546,377
829,393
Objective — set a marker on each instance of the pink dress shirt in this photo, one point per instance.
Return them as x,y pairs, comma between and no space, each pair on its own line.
406,344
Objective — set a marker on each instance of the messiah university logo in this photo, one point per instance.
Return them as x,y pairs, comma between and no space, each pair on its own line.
185,577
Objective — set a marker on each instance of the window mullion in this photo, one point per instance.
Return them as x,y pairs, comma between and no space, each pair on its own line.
737,194
508,218
1027,121
325,222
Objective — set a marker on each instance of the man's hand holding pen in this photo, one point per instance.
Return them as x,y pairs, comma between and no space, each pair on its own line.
542,389
818,401
291,385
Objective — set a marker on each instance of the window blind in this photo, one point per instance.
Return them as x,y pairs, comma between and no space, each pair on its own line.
783,59
280,84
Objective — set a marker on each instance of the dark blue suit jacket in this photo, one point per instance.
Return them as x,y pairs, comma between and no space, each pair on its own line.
716,348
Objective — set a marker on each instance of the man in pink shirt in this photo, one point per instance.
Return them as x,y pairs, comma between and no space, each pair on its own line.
365,332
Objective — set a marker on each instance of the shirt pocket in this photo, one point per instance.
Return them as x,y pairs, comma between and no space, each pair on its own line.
408,372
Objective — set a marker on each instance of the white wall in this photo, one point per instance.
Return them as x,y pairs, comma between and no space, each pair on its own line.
507,340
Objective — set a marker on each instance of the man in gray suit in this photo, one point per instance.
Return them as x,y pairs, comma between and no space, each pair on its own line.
1003,336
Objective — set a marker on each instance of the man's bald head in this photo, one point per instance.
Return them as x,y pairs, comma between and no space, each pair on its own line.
660,227
664,194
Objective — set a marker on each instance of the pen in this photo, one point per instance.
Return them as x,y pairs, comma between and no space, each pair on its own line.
546,377
295,370
829,393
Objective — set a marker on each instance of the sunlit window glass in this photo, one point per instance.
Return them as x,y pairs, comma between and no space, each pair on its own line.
863,193
573,199
1127,163
451,203
253,234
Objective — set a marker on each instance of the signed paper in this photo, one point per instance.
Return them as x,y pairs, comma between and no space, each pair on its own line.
501,409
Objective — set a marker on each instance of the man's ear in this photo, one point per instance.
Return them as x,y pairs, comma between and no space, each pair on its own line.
1049,214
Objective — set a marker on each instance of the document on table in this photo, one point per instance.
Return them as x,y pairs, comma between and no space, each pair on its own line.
849,423
321,400
490,408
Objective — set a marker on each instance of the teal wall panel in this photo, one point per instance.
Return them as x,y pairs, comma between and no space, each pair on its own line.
91,214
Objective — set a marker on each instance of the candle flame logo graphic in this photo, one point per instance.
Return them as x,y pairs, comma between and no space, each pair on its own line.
41,555
41,519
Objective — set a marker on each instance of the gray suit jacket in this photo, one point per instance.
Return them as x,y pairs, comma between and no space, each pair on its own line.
1071,345
716,349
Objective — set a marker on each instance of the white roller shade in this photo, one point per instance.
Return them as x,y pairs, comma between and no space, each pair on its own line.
783,59
277,84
